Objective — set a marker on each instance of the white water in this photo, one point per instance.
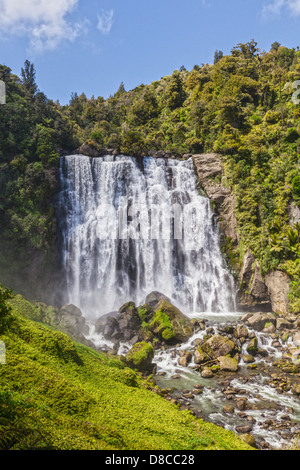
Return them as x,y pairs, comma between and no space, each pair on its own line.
106,267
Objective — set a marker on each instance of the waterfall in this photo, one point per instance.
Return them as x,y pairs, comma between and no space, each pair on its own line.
131,226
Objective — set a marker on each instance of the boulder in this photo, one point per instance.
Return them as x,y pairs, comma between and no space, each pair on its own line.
73,320
249,439
154,297
283,324
170,323
240,331
217,346
258,320
206,373
252,346
90,149
107,324
296,389
200,357
185,358
296,338
228,364
247,358
140,357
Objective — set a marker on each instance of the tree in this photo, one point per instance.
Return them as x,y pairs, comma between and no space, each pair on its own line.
275,46
175,94
248,50
28,77
121,90
218,56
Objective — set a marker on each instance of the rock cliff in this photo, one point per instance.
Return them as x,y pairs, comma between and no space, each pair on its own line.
254,292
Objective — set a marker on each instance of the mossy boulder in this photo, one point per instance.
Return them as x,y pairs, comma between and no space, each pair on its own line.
252,346
217,346
170,324
200,357
140,357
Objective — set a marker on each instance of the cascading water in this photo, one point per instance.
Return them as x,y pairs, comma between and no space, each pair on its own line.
131,226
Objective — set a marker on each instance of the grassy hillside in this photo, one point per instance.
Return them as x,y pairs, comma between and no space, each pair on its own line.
56,394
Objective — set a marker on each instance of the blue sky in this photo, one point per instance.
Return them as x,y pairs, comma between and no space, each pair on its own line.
92,46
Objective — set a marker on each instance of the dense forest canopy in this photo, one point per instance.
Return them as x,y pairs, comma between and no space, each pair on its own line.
241,107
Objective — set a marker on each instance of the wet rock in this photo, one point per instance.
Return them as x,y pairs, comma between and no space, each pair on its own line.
259,320
181,327
249,439
206,373
252,346
241,331
282,324
154,297
248,358
218,346
296,389
228,364
73,321
262,352
228,409
197,391
185,359
244,429
200,357
241,404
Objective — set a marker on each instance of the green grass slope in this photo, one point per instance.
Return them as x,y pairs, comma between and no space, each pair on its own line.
56,394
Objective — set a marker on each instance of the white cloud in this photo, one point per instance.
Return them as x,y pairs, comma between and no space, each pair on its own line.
43,21
276,7
105,21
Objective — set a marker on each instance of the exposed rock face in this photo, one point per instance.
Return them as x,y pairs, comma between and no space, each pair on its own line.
253,292
210,172
90,149
278,285
294,212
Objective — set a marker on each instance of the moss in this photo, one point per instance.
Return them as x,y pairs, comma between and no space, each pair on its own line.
168,334
161,325
140,356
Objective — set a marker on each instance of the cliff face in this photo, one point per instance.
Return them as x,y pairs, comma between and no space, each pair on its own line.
254,292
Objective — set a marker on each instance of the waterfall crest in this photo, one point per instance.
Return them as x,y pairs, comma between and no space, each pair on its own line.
131,226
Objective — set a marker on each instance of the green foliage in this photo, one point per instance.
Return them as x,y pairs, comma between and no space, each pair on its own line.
5,309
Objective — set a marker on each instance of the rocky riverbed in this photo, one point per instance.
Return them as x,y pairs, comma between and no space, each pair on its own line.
240,371
259,399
